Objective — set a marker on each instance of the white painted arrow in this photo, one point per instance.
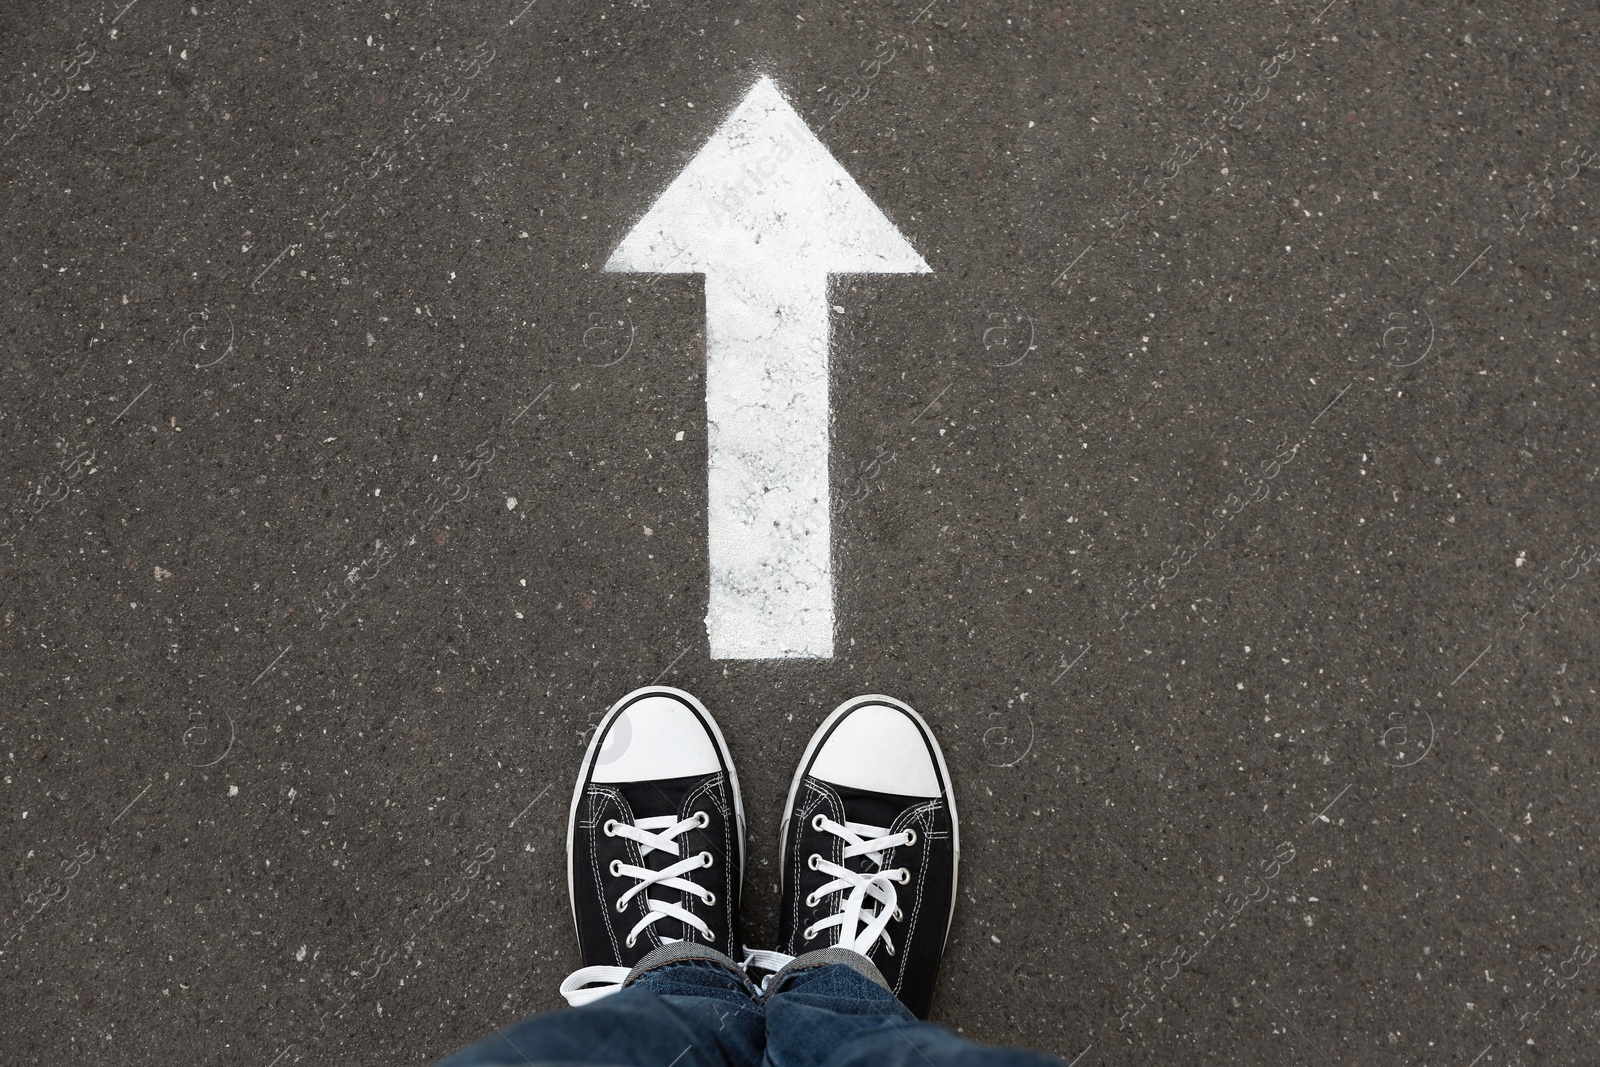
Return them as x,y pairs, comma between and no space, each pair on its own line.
767,214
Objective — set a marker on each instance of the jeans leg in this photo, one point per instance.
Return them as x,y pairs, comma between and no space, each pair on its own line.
826,1009
692,1007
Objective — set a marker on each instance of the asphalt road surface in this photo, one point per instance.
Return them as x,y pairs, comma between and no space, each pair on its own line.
1223,495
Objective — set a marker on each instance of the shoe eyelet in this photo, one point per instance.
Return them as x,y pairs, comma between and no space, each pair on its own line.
630,941
816,821
911,837
811,900
899,916
616,868
808,933
710,900
621,907
702,819
905,875
813,860
887,947
706,859
610,828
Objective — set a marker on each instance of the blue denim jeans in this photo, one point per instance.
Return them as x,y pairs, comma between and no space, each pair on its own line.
697,1009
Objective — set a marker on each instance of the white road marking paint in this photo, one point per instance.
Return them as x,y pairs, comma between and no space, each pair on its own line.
766,213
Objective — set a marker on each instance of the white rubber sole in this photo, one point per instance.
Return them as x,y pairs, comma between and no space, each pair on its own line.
587,766
944,775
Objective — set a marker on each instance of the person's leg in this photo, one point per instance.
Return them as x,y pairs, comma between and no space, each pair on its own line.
833,1007
655,858
871,846
869,863
683,1004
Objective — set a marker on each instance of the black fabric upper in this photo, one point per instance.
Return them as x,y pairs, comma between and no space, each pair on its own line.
924,901
601,928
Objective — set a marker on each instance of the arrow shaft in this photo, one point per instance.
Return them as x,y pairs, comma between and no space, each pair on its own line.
767,503
767,214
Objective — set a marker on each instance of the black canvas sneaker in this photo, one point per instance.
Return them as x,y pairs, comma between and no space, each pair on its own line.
655,840
870,847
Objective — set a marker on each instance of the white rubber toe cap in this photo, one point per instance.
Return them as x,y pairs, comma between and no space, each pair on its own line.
880,749
652,738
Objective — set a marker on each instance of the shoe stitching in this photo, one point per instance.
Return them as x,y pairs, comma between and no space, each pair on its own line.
923,814
730,848
615,797
824,795
713,788
802,815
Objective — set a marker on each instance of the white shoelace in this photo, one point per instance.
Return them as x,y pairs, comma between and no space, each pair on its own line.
858,927
656,833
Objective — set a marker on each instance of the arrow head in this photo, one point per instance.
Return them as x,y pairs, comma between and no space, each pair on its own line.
764,197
